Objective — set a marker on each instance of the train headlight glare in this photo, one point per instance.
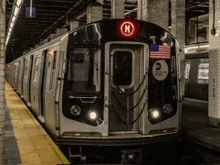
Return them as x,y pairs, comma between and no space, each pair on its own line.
155,113
75,110
93,115
167,108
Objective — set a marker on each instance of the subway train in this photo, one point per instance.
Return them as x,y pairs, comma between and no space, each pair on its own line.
111,83
196,72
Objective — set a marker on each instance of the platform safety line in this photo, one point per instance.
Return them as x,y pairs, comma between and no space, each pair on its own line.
61,155
51,142
56,149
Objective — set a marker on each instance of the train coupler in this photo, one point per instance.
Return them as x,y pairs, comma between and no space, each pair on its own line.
131,156
77,158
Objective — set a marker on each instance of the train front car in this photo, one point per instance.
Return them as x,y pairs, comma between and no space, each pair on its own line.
121,85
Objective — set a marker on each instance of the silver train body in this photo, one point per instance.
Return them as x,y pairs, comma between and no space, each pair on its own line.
197,72
105,84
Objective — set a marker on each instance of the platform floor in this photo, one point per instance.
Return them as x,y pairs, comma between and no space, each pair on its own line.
195,125
26,140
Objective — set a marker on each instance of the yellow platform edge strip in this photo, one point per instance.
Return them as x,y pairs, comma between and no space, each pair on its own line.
57,150
61,155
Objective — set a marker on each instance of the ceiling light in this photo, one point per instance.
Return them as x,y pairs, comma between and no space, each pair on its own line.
13,19
12,24
16,11
18,2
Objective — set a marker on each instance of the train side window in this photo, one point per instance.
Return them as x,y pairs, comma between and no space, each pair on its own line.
122,68
37,69
53,70
26,68
54,60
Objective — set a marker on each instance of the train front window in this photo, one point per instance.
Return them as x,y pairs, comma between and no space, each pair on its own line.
122,68
84,69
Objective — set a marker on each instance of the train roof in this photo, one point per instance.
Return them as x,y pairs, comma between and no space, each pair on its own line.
100,32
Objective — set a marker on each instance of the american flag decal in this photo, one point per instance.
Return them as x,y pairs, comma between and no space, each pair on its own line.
159,51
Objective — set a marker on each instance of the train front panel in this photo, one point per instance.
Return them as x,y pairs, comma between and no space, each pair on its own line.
122,83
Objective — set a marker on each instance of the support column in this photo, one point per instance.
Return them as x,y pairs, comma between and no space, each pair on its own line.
94,13
178,20
2,81
214,64
74,25
178,30
117,8
154,11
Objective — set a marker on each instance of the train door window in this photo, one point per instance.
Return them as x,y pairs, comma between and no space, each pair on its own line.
26,69
54,54
19,69
187,70
122,68
37,69
203,73
84,70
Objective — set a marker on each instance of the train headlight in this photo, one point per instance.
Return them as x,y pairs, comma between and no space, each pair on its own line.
75,110
93,115
167,108
155,113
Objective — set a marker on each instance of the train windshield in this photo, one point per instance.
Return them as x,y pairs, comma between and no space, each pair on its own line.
84,69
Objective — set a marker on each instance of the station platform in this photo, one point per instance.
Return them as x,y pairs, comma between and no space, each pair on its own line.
195,125
26,142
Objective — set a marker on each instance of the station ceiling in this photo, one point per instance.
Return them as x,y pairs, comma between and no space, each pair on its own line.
52,14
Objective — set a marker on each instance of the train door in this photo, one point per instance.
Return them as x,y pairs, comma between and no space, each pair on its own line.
127,86
49,89
35,84
27,79
16,64
22,78
42,85
30,78
19,76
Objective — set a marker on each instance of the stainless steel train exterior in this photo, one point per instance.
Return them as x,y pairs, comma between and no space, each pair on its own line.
109,83
197,72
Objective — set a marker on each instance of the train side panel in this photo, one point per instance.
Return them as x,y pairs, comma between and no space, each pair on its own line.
21,76
36,83
196,75
50,88
16,74
27,78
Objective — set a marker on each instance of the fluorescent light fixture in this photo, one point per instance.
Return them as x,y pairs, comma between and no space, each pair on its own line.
12,24
16,11
18,2
13,19
16,8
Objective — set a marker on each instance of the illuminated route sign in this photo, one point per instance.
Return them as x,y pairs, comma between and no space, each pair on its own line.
127,29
